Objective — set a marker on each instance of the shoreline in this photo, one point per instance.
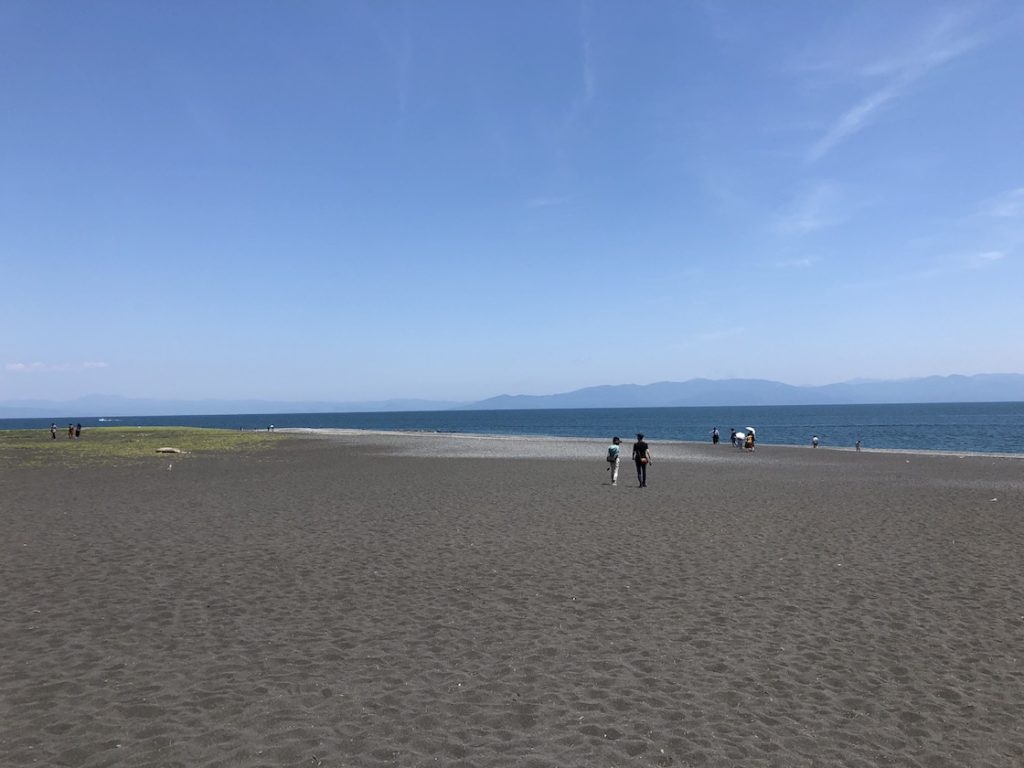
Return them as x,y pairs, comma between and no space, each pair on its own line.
925,428
327,432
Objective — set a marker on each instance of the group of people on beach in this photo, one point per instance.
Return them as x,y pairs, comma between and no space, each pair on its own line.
749,438
642,452
641,457
74,431
743,440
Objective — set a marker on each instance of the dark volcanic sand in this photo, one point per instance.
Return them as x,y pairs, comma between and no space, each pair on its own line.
355,601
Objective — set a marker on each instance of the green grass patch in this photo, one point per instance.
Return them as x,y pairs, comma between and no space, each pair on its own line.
112,445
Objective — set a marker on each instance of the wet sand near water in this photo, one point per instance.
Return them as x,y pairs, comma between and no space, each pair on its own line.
361,599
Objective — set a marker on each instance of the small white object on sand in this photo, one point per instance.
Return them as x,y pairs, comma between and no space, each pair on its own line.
168,450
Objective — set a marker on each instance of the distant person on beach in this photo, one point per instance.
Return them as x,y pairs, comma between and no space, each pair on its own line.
749,442
78,431
714,436
732,435
613,459
857,445
53,431
642,457
71,431
814,441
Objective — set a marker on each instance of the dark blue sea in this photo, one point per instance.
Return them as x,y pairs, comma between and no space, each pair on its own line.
961,427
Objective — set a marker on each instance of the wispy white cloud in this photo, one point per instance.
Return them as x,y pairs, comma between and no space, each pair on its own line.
558,132
1009,205
852,121
23,367
817,207
997,223
960,262
38,367
948,38
944,266
983,259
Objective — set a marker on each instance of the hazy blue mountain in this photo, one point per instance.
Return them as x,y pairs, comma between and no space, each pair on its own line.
706,392
993,387
664,393
1008,387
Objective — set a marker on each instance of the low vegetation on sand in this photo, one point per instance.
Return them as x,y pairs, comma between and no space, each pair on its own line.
115,445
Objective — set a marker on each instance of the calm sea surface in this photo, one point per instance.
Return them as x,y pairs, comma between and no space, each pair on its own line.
977,427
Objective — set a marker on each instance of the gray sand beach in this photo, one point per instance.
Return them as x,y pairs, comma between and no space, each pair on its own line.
361,599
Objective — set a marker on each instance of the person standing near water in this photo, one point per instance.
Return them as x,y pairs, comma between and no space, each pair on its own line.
53,431
814,441
613,459
714,436
642,457
732,436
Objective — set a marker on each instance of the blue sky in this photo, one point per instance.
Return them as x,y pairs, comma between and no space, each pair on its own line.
453,200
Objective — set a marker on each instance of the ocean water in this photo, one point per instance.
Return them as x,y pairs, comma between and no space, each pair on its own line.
964,427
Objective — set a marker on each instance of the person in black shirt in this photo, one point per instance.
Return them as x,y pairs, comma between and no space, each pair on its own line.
642,457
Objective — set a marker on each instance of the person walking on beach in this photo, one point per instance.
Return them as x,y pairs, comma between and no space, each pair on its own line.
53,431
857,445
732,436
814,441
71,431
642,457
613,459
714,436
78,431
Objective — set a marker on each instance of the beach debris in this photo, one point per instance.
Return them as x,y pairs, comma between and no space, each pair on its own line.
168,450
169,467
993,499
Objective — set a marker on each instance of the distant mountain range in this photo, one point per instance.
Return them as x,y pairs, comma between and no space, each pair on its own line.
996,387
